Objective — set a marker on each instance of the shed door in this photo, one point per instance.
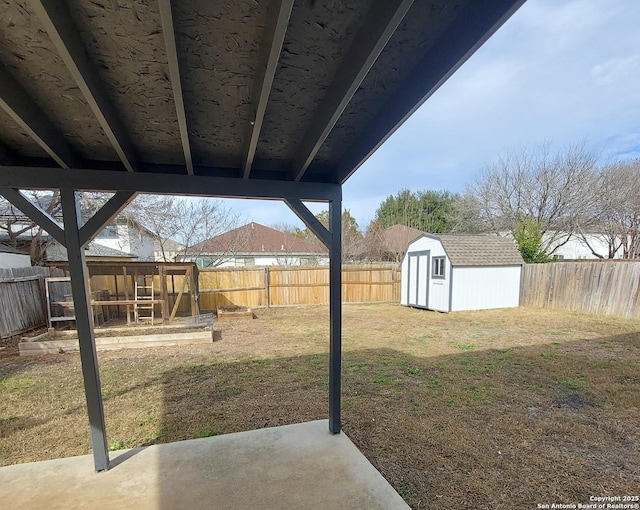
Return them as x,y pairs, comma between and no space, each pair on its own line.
418,279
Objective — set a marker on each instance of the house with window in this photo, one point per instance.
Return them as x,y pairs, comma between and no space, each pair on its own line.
449,272
167,250
125,236
256,245
129,236
589,245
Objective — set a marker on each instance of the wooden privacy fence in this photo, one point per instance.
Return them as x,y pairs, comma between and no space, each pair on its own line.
288,286
610,287
22,303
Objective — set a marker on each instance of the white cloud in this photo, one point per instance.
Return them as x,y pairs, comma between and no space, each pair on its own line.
616,70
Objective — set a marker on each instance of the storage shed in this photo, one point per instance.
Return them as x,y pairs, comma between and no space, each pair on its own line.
450,273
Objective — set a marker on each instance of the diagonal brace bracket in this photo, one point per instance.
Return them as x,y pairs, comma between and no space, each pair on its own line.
302,212
35,213
105,215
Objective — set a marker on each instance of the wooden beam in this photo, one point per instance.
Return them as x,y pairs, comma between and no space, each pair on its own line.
35,213
15,101
164,294
168,31
168,184
307,217
84,325
378,26
58,22
105,215
469,30
335,316
193,289
275,29
179,298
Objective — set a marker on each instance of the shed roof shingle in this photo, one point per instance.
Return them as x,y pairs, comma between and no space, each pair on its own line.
480,250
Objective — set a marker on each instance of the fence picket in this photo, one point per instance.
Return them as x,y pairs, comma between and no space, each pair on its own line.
601,287
22,303
22,300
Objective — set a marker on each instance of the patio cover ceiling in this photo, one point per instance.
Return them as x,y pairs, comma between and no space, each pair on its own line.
239,90
231,98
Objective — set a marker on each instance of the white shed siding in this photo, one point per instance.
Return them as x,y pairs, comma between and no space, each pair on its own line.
439,290
404,281
419,288
477,288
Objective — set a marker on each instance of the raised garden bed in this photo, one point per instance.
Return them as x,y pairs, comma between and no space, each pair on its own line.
236,312
109,343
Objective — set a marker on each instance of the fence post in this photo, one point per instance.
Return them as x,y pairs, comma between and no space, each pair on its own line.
267,293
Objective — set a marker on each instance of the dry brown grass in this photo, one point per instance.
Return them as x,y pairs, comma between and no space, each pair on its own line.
492,409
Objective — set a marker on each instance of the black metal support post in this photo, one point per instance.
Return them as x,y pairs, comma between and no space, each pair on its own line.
335,315
84,325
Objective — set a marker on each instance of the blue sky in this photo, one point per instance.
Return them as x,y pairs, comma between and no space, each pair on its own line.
558,71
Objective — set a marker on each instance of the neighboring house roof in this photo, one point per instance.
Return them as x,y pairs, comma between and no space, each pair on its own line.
10,249
397,237
58,253
393,239
254,238
479,250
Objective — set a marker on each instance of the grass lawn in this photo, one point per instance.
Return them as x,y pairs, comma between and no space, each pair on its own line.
492,409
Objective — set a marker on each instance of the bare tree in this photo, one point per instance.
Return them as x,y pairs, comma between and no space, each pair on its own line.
190,222
548,189
372,247
21,232
287,228
466,216
615,217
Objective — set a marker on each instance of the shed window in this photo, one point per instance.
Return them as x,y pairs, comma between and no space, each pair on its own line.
438,267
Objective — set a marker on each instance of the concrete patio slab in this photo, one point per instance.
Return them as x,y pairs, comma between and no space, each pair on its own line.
298,466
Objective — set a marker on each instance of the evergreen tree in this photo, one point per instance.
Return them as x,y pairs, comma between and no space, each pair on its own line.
429,211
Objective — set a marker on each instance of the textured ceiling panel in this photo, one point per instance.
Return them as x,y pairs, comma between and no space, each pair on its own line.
27,52
14,138
318,37
125,41
116,51
219,44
